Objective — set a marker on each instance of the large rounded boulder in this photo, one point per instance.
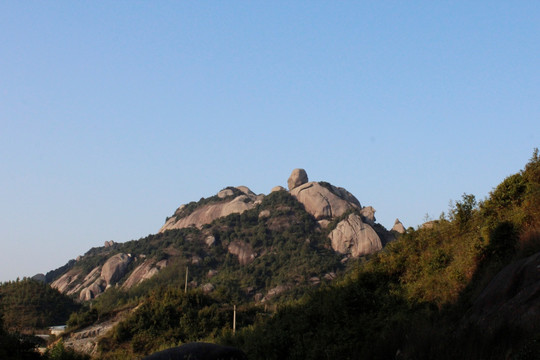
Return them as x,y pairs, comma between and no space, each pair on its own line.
115,268
324,201
297,178
225,204
354,237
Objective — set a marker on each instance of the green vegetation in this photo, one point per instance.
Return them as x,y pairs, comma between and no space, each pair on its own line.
413,300
29,304
168,317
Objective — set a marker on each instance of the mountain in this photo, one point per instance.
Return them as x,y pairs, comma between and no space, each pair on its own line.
465,286
309,274
236,247
267,243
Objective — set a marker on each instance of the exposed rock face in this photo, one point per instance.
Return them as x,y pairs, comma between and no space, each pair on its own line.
276,291
210,240
512,297
368,213
264,214
208,287
398,227
243,251
297,178
92,277
207,213
143,272
322,203
278,188
323,223
115,268
199,351
224,193
109,243
64,282
92,291
354,237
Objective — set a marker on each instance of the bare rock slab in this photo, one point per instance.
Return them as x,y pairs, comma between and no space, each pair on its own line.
354,237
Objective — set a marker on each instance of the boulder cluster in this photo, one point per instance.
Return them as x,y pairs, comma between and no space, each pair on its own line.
353,236
105,276
353,233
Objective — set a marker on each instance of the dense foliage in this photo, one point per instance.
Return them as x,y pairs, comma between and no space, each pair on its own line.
30,304
411,300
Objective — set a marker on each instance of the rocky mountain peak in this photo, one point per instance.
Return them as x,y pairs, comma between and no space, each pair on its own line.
398,227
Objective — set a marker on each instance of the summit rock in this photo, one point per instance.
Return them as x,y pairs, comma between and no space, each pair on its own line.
226,202
325,201
298,177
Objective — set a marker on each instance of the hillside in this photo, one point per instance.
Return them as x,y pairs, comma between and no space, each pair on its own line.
463,287
312,275
253,251
30,304
248,247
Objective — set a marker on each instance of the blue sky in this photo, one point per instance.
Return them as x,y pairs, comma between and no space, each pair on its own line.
112,114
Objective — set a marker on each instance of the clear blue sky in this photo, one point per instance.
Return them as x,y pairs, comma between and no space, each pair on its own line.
112,114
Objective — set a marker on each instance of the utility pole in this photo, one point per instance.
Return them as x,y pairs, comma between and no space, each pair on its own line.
234,320
187,271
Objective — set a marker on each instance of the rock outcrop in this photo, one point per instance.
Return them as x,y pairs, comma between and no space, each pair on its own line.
243,251
115,268
398,227
210,240
92,291
368,213
298,177
225,193
278,188
101,277
512,297
205,214
91,278
65,282
276,291
353,236
145,271
207,288
324,202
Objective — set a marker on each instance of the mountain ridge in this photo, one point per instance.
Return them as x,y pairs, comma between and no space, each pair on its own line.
329,209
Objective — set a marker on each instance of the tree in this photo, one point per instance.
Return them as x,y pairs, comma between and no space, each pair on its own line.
463,210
